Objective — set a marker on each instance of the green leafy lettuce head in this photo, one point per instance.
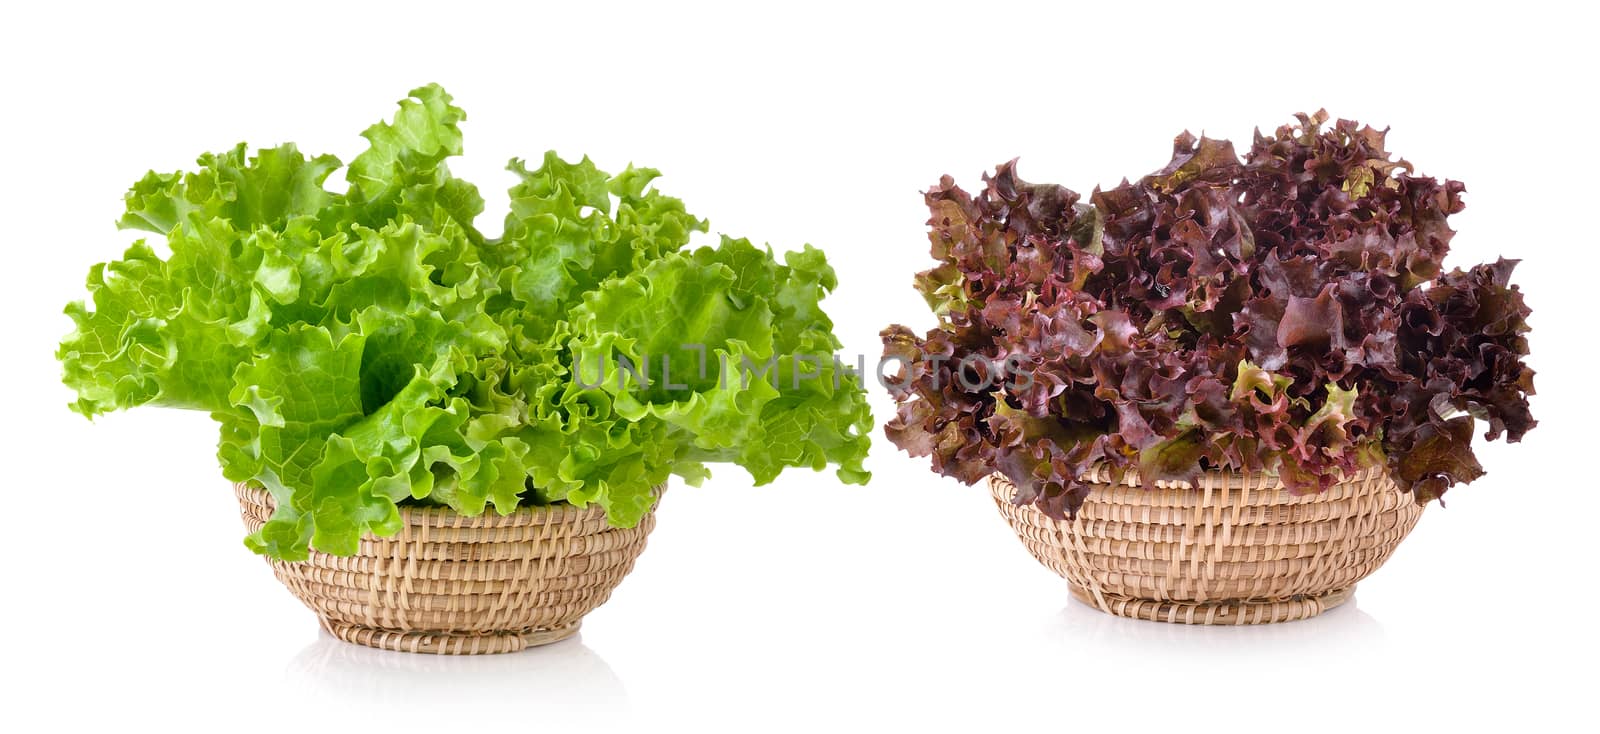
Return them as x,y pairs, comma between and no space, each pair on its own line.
365,349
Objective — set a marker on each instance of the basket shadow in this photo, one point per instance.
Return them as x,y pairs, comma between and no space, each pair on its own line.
1342,628
565,676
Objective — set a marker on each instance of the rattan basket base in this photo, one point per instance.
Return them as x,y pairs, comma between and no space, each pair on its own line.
1214,612
441,643
1238,548
449,584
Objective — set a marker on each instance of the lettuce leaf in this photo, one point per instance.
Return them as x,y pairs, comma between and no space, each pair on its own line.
369,349
1287,310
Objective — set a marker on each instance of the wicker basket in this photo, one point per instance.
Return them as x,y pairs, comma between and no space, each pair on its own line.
459,585
1239,549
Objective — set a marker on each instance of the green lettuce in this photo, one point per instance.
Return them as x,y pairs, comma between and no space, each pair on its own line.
370,349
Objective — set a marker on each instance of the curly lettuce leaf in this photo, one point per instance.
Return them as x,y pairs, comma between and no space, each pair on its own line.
1284,310
728,351
370,349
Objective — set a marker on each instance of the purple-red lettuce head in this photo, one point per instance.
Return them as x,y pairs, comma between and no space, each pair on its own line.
1287,311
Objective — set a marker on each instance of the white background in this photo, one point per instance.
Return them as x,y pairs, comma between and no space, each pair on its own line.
903,605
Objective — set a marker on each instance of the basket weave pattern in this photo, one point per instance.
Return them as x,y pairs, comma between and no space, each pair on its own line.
459,585
1237,549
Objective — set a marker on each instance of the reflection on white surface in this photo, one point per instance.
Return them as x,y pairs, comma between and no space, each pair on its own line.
1342,628
564,679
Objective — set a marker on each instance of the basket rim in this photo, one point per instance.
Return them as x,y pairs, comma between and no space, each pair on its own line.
440,516
1100,475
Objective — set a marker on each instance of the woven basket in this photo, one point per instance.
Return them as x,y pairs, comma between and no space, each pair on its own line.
1238,549
459,585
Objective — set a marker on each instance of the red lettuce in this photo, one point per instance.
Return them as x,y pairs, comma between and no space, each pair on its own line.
1287,311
